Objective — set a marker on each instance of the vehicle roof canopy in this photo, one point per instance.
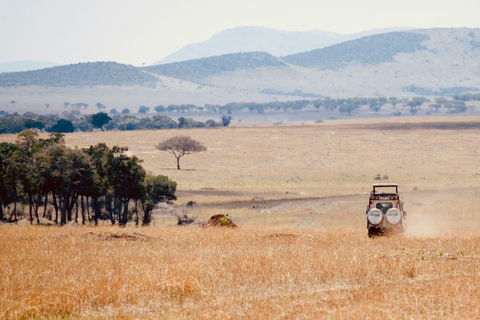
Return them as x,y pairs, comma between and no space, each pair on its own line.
377,186
385,185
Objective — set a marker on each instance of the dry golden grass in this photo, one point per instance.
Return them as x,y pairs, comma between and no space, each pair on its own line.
252,272
298,194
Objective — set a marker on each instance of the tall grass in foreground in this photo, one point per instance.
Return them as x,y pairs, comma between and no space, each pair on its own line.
252,273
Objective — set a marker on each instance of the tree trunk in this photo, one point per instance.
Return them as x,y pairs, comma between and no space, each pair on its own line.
55,205
83,209
63,211
96,210
45,206
87,208
72,201
123,214
146,217
30,207
109,205
36,205
136,212
14,212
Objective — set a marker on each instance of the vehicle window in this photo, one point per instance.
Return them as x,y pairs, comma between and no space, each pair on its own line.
384,206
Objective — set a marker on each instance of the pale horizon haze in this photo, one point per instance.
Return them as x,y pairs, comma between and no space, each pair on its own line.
145,31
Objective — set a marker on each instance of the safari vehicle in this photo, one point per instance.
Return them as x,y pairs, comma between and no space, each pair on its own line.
385,212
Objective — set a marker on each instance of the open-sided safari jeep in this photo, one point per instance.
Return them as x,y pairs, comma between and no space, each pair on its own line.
385,212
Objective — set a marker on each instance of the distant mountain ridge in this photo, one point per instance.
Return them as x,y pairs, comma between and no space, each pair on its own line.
275,42
432,62
80,74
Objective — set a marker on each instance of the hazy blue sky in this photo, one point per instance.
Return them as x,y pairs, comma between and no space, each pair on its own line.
145,31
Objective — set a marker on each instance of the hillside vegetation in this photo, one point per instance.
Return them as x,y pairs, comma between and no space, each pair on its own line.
80,74
373,49
195,70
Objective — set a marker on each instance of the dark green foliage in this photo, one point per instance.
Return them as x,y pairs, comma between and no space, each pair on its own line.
31,124
62,126
373,49
194,70
156,189
7,185
45,172
80,74
226,120
124,176
100,119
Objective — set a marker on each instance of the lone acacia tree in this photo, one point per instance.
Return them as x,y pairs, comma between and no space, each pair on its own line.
180,146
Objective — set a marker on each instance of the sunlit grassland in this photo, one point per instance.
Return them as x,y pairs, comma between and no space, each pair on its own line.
251,272
298,194
312,159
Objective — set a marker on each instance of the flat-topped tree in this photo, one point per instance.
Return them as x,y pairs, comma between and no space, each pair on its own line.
180,146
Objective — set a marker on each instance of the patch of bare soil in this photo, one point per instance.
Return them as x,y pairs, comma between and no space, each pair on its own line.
117,235
266,205
220,220
210,192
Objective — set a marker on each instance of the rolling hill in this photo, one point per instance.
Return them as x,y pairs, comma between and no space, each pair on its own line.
80,74
196,70
432,62
277,43
373,49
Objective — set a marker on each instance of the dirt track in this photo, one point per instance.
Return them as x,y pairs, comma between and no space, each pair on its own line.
429,211
258,202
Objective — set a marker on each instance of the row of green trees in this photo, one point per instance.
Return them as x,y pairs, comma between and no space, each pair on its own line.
65,184
16,123
73,120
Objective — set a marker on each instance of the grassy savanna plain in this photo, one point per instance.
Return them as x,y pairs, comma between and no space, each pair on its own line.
298,194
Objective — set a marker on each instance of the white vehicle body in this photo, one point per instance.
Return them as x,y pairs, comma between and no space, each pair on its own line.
385,212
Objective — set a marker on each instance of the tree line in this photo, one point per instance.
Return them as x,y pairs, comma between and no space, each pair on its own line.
16,123
73,120
83,185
